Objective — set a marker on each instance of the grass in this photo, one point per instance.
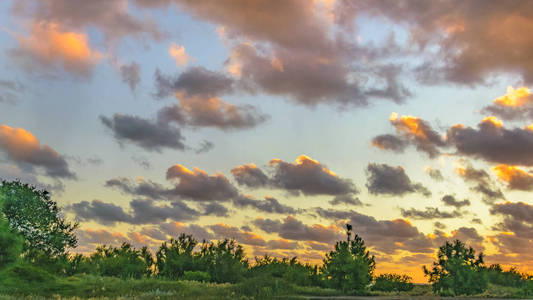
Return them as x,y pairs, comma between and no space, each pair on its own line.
95,287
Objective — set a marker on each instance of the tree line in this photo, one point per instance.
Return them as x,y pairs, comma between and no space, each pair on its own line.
35,239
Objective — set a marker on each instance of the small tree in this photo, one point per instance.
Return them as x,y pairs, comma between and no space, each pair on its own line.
457,271
350,266
35,216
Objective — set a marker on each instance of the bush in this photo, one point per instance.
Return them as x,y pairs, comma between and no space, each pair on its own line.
289,269
457,271
497,275
349,267
196,276
123,262
392,283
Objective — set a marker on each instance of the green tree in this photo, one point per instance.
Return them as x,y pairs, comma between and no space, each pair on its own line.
350,266
172,260
35,216
224,261
457,271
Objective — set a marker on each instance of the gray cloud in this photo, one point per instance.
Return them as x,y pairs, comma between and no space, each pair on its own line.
142,212
194,185
309,177
205,146
268,205
250,176
293,229
198,91
151,136
451,201
429,213
482,182
383,179
494,143
193,82
434,173
349,199
390,142
518,211
131,74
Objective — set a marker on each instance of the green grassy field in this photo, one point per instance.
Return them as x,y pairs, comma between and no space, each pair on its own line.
95,287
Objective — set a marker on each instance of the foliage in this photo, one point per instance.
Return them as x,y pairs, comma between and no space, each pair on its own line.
457,271
172,260
392,283
290,270
35,216
349,267
223,260
10,244
124,261
497,275
196,276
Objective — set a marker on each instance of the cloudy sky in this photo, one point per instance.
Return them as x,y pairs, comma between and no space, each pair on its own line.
277,122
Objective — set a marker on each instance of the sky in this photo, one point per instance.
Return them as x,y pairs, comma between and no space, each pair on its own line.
277,122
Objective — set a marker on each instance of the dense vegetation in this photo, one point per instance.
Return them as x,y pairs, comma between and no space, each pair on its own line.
35,237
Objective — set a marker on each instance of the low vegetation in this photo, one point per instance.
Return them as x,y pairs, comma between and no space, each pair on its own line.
34,262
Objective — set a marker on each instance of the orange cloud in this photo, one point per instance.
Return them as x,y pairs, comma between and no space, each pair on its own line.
408,124
493,121
515,177
50,45
23,147
514,97
178,53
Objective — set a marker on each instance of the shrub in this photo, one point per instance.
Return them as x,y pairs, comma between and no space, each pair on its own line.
123,262
290,270
392,283
349,267
457,271
196,276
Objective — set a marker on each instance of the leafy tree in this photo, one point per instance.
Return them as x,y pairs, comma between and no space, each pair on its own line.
35,216
124,261
172,260
349,267
223,260
392,283
457,271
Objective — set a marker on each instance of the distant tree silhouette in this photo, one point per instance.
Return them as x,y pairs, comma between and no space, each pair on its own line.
350,266
457,271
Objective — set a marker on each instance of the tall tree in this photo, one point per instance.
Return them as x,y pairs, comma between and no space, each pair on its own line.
350,266
37,218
